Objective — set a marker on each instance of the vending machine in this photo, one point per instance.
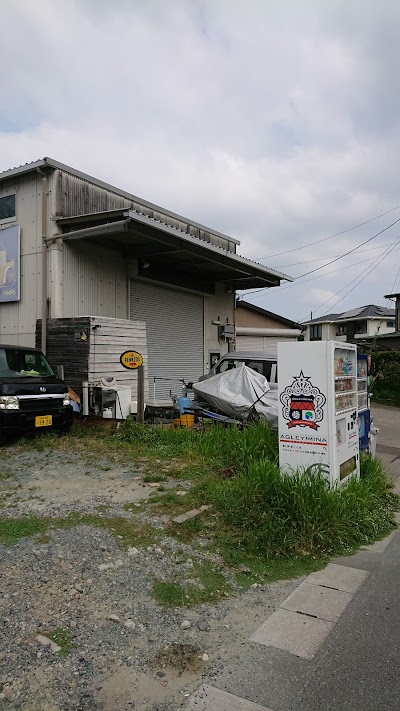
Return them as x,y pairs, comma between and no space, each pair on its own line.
318,408
364,410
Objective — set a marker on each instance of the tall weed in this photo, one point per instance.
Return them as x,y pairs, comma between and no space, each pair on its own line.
275,514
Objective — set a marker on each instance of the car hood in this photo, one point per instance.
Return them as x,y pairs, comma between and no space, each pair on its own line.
32,386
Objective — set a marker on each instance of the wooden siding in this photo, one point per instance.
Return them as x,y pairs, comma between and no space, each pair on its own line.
98,356
250,319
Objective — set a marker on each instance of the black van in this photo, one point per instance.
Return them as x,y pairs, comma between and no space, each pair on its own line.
31,395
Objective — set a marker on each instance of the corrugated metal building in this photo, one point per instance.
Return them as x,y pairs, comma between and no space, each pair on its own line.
88,248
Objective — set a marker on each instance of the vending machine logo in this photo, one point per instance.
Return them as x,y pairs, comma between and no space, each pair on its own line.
303,403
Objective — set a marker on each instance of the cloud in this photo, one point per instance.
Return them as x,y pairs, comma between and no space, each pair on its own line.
277,123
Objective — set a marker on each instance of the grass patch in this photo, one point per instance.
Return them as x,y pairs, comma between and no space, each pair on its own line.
63,638
126,530
154,478
273,515
171,503
195,454
13,529
209,585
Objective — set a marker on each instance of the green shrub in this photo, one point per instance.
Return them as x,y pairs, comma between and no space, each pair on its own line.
386,379
273,514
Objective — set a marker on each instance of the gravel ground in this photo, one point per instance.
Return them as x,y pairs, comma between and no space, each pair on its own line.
120,649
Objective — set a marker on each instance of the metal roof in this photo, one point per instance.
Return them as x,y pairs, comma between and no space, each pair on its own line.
323,319
361,313
43,163
163,250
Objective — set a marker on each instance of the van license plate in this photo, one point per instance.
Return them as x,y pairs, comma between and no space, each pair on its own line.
44,421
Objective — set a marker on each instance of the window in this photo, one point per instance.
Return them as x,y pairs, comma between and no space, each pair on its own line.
7,208
23,363
389,324
316,332
360,327
341,330
267,368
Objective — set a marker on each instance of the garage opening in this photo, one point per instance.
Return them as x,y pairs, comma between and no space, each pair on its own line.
175,337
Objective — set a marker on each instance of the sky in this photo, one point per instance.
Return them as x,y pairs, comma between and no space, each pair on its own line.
276,122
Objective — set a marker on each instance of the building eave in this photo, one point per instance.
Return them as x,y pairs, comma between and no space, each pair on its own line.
166,247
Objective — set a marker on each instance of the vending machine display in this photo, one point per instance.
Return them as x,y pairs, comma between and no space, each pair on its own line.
318,408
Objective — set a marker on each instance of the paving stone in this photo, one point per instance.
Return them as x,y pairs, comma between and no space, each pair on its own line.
322,603
339,577
190,514
209,698
298,634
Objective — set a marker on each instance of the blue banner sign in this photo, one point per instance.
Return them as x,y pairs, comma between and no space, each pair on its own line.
9,263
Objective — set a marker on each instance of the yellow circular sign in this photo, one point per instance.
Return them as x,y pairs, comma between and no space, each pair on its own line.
131,360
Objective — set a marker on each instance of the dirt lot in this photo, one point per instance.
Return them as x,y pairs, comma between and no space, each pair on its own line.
94,578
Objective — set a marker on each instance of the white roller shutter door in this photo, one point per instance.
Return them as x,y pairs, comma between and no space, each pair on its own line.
175,342
256,343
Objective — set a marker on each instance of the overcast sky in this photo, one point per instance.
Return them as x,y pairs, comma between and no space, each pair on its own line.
274,121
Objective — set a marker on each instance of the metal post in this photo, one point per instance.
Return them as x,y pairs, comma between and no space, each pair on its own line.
140,394
85,398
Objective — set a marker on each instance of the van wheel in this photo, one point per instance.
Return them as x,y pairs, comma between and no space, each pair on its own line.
3,438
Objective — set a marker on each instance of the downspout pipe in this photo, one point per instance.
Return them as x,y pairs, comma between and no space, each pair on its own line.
45,198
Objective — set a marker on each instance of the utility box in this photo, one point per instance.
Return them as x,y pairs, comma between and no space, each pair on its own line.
318,408
90,348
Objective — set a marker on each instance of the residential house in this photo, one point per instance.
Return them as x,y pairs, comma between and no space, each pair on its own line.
352,326
260,330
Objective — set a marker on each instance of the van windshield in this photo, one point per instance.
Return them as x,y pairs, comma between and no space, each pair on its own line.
20,363
265,367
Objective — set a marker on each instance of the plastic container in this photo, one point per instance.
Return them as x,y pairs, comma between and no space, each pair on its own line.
186,421
183,404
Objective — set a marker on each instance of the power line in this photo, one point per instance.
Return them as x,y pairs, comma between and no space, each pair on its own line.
325,239
394,283
393,244
393,287
321,276
361,280
312,271
365,271
321,259
350,250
